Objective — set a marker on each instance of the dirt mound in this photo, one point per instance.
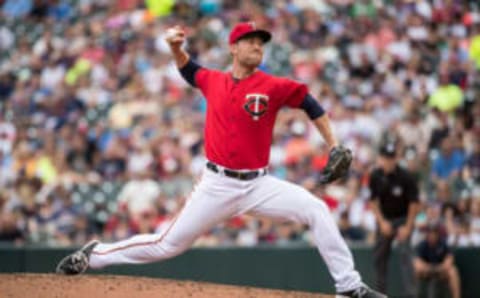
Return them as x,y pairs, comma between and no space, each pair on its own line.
106,286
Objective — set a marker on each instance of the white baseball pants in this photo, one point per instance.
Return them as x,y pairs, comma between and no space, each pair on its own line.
216,198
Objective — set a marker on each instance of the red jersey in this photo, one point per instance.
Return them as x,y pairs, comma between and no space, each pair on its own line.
241,115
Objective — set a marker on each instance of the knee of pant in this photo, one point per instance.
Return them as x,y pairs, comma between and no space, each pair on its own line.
171,250
317,211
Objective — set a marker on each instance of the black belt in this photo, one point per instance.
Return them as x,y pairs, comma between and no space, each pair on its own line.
236,174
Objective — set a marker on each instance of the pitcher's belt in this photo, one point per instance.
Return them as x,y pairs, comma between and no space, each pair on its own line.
240,175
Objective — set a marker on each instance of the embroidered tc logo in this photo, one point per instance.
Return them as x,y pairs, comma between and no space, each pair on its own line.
256,105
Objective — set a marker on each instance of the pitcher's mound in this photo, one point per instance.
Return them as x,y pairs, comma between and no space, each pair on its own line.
111,286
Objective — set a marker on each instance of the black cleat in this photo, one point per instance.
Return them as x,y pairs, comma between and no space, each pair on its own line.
362,292
77,262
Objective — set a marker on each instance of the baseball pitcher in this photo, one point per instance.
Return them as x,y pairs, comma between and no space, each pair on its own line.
242,105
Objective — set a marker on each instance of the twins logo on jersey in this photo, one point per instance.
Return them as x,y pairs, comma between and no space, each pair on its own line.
256,105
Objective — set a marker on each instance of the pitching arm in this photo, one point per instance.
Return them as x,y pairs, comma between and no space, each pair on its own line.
175,38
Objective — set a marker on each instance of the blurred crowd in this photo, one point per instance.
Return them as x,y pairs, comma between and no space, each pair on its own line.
101,137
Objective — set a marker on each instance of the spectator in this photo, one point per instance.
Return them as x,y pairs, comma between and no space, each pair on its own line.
475,222
434,260
15,9
447,97
119,227
112,165
357,222
448,165
139,196
9,231
473,163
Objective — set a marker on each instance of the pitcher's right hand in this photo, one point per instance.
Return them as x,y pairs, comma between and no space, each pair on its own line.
175,36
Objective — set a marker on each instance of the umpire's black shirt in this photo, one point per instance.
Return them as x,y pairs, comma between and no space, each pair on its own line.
394,191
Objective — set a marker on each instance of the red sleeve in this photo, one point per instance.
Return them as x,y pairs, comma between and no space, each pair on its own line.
292,92
202,76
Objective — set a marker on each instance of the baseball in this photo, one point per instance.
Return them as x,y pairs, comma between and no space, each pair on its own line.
171,33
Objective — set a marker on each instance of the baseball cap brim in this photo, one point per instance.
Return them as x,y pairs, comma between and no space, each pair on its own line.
387,153
264,35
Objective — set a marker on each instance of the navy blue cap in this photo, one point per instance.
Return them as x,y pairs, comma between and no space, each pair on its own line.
389,149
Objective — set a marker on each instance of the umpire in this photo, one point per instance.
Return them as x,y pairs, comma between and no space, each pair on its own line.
394,201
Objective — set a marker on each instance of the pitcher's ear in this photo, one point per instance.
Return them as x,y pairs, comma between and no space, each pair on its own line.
233,48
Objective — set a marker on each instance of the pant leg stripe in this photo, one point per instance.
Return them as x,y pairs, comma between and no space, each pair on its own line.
139,244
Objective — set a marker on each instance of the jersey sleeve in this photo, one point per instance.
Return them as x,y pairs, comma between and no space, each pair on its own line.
202,78
292,92
188,72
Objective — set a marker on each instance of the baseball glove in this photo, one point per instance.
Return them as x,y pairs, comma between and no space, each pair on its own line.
339,160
